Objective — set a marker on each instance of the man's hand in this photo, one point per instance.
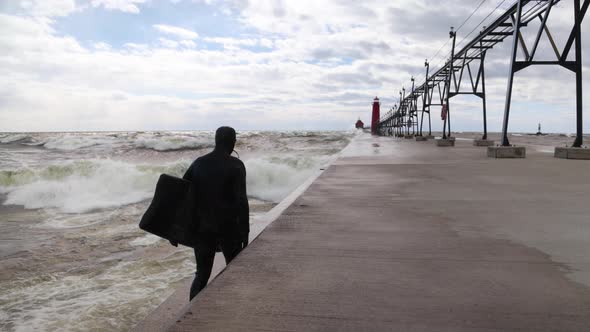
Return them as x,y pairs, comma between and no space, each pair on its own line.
173,243
244,241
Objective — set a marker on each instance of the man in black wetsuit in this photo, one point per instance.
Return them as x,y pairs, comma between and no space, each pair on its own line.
219,185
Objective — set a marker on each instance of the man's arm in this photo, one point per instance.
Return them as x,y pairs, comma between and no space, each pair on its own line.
243,207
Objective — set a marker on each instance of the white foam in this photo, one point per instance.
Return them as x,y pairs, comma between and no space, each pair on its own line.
80,187
273,178
56,219
173,143
13,138
68,143
146,240
544,149
83,186
105,301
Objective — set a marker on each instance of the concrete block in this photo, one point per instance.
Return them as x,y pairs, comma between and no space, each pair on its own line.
506,152
421,138
572,153
445,142
409,136
561,153
483,142
430,137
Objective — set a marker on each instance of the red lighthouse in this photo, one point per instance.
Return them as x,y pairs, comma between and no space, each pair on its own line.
376,115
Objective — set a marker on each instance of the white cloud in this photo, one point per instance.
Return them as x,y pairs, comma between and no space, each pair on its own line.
324,69
168,43
127,6
180,33
46,8
137,48
188,43
232,43
102,46
265,42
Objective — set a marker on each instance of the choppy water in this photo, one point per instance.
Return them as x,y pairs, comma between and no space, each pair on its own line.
71,255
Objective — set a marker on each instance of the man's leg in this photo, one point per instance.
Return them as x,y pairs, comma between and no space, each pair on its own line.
205,255
231,247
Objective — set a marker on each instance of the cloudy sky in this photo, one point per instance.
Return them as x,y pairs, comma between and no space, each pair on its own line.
253,64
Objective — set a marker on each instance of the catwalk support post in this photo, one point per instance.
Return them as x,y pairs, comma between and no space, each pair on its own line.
425,99
515,39
447,120
413,107
579,110
483,95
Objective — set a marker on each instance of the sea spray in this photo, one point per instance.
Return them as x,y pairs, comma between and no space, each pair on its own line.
174,144
273,178
83,186
90,300
69,143
11,138
87,185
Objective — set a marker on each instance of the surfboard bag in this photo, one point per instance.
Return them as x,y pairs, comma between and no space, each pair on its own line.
170,215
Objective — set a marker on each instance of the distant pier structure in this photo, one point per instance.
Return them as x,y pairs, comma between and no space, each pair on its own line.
464,72
376,116
359,124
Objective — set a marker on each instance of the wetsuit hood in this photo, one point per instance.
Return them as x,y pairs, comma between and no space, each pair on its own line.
225,139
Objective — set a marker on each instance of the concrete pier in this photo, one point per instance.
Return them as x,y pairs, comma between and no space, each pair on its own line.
410,237
443,142
483,142
572,153
507,152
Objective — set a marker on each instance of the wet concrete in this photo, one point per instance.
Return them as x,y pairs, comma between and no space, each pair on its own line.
167,312
400,235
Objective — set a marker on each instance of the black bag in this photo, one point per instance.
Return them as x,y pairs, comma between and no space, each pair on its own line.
172,213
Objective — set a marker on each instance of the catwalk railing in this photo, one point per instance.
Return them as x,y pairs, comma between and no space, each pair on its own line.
468,64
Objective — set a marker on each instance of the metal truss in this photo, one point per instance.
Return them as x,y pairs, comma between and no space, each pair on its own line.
468,64
519,20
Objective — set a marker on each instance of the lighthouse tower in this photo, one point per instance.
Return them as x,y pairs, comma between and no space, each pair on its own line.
376,116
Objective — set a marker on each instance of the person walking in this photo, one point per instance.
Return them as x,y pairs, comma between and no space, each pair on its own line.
218,183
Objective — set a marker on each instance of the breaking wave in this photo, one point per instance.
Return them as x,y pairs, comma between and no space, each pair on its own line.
173,144
277,163
83,186
69,143
87,185
273,178
12,138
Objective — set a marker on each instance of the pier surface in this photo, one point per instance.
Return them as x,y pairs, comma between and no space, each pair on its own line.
400,235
